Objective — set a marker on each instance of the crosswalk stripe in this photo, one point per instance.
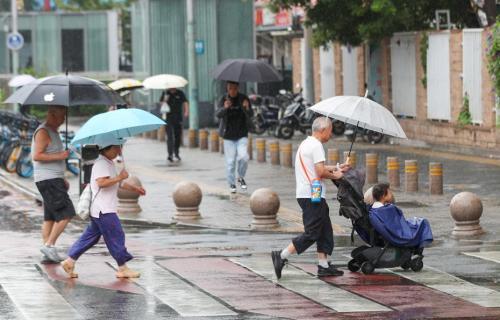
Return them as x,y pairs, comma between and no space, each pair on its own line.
485,255
447,283
34,297
185,299
311,287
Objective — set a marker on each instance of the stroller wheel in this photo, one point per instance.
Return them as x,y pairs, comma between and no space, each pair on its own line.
367,267
416,264
406,265
353,265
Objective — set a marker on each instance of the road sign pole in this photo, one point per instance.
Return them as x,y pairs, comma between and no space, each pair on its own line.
15,53
193,87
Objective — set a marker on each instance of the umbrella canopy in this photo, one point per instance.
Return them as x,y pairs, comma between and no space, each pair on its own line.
117,124
65,90
20,80
246,70
125,84
164,81
361,112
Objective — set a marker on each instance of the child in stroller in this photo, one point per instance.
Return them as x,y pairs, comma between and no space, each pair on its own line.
392,240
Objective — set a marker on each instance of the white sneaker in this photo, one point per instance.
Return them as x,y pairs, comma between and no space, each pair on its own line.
51,253
243,184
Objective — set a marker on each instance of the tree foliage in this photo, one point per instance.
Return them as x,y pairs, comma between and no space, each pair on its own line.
355,21
494,56
91,5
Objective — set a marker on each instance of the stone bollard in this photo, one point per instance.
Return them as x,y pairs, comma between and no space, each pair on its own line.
214,141
128,201
260,145
192,137
286,155
436,178
221,145
203,138
274,151
393,172
333,156
187,198
264,204
250,147
161,133
466,209
411,176
353,158
371,168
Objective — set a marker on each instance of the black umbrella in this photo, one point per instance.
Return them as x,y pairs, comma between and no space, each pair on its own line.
246,70
65,90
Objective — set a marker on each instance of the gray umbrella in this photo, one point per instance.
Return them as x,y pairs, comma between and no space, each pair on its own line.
246,70
65,90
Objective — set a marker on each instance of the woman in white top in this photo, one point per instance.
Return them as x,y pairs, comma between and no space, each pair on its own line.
104,183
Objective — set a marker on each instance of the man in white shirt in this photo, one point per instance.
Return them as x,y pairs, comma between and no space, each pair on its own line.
310,165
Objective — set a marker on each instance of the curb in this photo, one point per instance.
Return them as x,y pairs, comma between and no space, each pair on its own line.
4,178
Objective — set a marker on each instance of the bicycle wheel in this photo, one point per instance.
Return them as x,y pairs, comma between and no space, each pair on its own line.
24,167
11,163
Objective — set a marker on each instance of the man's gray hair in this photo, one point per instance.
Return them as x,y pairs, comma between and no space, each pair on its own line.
321,124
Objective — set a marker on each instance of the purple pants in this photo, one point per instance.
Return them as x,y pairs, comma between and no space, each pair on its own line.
108,225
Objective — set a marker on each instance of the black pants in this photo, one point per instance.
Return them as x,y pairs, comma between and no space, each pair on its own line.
174,132
317,227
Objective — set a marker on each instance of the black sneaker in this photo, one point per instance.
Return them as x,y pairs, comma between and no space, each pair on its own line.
232,188
177,158
278,263
170,159
243,184
330,271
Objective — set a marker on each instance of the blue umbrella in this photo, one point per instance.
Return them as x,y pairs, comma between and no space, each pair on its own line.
114,126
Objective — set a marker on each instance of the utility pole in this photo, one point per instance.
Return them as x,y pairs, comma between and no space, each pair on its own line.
193,87
308,65
15,53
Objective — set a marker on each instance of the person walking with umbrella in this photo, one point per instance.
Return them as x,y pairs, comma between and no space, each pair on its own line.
104,183
235,115
175,106
310,170
48,163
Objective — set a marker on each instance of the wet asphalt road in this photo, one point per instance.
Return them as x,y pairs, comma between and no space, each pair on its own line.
20,222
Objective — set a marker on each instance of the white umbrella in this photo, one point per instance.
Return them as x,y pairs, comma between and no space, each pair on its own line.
164,81
361,112
125,84
20,80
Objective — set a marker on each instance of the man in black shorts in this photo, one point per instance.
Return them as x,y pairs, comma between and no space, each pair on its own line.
49,163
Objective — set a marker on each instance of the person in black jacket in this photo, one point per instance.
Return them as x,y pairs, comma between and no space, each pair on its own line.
179,108
235,114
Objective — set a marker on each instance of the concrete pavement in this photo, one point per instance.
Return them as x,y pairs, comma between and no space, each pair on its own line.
146,159
223,274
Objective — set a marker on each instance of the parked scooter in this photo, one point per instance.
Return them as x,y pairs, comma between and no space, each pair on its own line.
265,114
297,116
352,132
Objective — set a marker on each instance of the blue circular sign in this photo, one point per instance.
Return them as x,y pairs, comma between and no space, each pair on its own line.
15,41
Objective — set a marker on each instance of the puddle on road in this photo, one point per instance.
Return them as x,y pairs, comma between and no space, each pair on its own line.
411,204
4,193
18,220
219,196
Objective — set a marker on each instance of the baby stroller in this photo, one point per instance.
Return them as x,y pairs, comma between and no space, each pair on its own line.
379,252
